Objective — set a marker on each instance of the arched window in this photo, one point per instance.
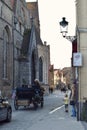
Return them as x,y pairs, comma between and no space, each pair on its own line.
40,69
6,51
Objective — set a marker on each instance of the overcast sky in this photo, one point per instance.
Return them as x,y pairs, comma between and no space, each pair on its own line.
50,14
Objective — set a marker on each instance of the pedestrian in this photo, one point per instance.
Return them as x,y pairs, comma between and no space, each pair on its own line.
13,93
66,102
73,99
51,89
0,93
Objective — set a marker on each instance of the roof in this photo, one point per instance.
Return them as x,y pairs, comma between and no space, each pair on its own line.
26,42
38,39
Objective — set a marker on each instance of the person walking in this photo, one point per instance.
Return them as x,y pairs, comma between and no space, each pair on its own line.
66,102
0,93
73,100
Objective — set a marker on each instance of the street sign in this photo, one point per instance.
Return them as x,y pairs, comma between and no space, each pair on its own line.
77,59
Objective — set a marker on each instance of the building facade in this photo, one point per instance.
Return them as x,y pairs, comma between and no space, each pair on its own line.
81,22
21,22
39,52
6,46
23,55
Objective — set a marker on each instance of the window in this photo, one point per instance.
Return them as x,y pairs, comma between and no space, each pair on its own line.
6,52
40,69
5,46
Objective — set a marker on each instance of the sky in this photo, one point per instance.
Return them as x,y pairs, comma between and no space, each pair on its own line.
50,14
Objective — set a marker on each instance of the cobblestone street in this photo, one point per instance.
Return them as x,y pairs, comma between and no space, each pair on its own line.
51,117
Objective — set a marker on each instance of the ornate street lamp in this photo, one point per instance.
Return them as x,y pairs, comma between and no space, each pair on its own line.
64,27
72,39
64,30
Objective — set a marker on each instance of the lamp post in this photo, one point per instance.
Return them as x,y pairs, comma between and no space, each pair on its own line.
64,31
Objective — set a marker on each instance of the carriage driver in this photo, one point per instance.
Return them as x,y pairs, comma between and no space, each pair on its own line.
37,85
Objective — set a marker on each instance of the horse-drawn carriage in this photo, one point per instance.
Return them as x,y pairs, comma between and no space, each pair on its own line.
25,96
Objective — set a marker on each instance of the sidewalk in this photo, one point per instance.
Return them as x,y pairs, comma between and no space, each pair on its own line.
58,121
85,125
64,121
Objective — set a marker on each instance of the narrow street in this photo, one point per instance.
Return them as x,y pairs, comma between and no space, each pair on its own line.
51,115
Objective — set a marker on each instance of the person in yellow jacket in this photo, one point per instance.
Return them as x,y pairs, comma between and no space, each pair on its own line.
66,102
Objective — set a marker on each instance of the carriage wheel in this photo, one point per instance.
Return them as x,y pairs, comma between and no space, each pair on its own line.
35,105
42,102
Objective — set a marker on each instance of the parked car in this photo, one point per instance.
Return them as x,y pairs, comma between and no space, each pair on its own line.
5,110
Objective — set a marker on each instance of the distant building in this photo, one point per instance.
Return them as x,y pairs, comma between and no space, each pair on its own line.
51,76
57,77
62,76
67,75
